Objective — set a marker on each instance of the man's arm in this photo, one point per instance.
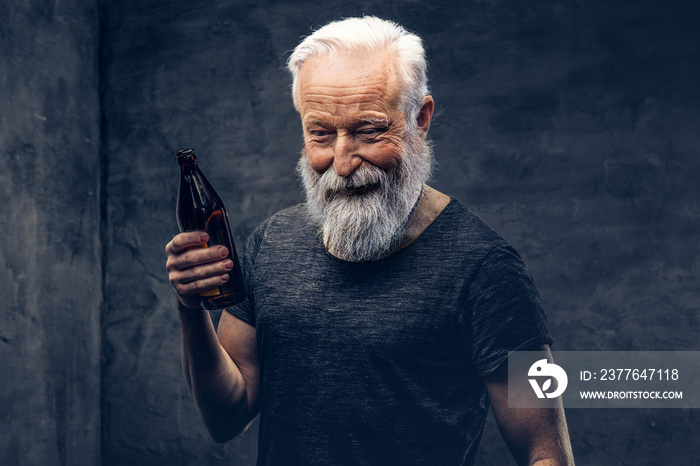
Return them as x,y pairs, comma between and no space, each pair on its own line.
535,436
221,371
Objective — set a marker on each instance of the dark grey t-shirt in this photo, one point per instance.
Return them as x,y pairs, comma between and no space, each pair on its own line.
380,363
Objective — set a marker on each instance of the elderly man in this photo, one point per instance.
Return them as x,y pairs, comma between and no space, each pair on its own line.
379,313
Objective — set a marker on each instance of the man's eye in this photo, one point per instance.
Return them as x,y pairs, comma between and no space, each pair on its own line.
369,134
319,133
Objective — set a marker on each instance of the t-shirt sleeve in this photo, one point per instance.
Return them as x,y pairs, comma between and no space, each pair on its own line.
245,310
505,310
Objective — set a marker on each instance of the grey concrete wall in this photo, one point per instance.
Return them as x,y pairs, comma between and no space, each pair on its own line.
171,72
571,127
50,275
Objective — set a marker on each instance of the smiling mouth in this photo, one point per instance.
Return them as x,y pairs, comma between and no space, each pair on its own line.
350,191
358,190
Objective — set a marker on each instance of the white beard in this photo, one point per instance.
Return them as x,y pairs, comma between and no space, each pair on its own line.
363,216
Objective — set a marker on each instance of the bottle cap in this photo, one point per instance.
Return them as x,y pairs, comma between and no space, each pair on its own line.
185,152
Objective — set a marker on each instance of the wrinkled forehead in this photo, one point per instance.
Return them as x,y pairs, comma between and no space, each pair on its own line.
350,78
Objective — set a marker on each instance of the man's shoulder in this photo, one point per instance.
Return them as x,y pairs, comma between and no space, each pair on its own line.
289,217
466,226
471,239
288,223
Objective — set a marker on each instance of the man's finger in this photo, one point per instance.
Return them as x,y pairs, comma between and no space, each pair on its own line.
205,271
199,286
194,256
183,241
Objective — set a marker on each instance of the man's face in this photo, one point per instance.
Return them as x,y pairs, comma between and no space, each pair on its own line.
350,113
363,168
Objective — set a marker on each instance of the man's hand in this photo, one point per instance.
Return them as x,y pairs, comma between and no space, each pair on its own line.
193,268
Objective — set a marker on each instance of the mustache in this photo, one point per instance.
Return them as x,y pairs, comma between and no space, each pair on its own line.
365,179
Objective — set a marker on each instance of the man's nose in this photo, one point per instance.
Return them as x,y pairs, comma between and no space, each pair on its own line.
346,157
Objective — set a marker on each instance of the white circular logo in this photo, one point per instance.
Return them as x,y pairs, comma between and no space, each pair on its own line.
542,368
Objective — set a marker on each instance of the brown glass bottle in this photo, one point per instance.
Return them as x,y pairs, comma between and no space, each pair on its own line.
199,208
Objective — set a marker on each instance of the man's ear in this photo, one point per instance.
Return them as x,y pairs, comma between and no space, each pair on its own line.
425,115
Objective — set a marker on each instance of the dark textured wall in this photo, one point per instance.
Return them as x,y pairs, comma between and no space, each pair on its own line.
571,127
50,275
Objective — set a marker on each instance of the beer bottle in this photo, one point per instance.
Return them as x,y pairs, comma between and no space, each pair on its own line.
199,208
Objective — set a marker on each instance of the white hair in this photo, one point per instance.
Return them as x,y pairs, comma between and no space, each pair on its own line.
371,34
